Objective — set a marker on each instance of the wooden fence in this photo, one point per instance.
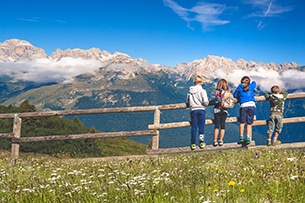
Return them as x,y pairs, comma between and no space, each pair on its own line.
153,129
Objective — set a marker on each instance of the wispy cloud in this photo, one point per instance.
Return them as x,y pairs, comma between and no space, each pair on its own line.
209,14
205,13
38,19
59,21
266,8
29,19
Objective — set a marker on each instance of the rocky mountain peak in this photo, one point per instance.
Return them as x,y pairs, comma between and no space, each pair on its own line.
15,50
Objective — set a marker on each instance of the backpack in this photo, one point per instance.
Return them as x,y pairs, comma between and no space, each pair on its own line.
227,101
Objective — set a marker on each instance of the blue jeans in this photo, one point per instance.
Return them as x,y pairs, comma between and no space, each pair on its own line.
197,122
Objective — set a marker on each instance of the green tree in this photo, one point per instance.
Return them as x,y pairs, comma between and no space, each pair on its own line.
25,106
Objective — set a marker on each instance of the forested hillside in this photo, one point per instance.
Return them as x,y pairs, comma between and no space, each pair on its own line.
42,126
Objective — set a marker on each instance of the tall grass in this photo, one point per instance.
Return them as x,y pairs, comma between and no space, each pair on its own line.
260,175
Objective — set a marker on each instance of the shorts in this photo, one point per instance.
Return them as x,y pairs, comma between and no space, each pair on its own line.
275,121
247,114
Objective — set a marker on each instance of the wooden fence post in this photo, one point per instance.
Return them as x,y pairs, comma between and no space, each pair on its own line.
16,131
155,138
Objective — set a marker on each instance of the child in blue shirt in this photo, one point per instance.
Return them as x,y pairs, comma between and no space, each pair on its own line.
244,93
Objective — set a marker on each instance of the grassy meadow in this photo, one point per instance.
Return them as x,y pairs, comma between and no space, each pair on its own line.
255,175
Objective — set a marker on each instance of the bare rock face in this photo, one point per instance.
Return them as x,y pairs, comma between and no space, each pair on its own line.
15,50
93,53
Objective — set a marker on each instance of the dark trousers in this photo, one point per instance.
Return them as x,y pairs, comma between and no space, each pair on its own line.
197,122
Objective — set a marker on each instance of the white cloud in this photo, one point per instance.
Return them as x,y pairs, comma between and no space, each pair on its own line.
205,13
45,70
293,79
265,79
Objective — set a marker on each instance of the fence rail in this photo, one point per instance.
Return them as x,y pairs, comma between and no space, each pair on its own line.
153,129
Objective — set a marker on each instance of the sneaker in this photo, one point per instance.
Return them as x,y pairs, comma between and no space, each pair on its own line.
193,146
268,142
201,138
220,143
241,139
248,140
202,145
215,143
277,142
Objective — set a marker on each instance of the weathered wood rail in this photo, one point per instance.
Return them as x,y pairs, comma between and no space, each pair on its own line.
153,129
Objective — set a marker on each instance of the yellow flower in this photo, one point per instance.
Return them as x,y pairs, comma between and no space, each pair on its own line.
242,190
232,183
215,190
157,181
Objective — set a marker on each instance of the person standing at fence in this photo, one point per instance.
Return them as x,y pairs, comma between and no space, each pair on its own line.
276,100
197,100
220,112
244,93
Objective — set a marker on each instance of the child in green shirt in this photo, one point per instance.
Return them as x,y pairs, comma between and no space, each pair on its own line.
276,100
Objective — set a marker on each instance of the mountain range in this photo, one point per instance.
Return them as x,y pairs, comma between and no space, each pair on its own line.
94,78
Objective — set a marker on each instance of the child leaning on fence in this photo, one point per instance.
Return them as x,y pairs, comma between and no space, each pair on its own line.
197,100
244,93
220,112
276,100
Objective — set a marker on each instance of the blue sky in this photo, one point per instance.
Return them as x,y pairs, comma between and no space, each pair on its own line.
166,32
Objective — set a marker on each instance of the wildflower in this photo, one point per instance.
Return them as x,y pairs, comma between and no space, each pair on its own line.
157,181
27,190
68,193
293,177
136,191
232,183
291,159
242,190
215,190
